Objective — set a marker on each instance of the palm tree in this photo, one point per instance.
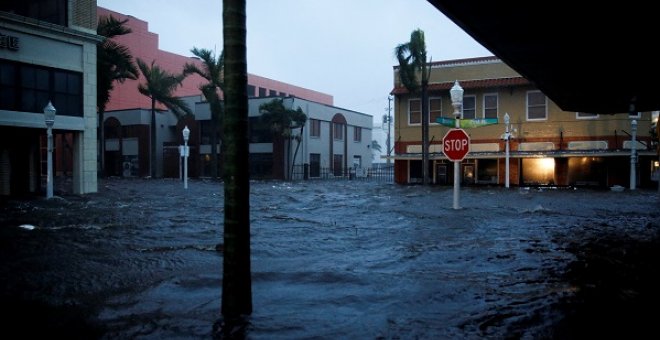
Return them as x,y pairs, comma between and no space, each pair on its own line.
412,61
281,121
212,71
236,277
159,86
375,147
114,63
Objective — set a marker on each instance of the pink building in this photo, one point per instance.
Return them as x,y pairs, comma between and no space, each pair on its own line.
144,45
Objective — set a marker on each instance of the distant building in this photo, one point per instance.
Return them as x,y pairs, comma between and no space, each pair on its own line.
549,146
333,141
127,107
47,53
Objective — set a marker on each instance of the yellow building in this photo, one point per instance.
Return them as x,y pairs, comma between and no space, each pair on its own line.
549,146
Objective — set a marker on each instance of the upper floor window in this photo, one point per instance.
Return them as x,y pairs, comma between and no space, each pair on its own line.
338,129
585,115
469,107
357,134
262,92
414,111
314,128
28,88
537,108
490,105
53,11
435,109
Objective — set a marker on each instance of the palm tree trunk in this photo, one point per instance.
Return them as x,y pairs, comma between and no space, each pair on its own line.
236,279
425,134
152,159
295,154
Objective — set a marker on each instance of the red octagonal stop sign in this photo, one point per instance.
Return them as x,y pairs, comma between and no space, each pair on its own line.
456,144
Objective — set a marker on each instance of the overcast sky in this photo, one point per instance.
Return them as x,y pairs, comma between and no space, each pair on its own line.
344,48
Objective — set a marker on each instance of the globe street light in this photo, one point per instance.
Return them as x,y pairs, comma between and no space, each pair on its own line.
456,94
186,152
507,137
49,116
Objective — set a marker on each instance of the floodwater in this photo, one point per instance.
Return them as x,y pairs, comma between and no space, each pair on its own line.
330,259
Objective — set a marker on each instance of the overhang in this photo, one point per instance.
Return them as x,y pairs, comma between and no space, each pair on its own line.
595,59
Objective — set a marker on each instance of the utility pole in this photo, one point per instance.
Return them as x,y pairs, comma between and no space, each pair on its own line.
389,125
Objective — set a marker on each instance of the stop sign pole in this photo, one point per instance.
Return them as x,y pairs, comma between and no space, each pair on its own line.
456,145
456,94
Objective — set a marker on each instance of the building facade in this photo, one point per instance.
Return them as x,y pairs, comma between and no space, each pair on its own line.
333,140
548,147
127,114
47,54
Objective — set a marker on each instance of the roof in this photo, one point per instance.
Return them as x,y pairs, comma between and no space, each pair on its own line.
470,84
594,59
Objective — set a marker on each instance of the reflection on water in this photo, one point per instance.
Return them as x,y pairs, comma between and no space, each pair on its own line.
329,258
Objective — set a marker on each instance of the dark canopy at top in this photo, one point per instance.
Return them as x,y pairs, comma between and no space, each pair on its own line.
588,57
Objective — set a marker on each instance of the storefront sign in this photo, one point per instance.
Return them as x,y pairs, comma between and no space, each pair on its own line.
8,42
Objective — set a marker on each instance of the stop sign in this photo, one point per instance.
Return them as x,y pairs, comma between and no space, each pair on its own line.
456,144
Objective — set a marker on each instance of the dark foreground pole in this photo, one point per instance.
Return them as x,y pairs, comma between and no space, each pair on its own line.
236,278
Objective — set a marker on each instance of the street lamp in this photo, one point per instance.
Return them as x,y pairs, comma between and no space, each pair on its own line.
456,94
49,116
507,137
186,135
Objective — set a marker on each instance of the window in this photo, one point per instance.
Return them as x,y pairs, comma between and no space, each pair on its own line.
357,162
435,109
314,128
314,165
337,165
272,93
490,105
536,106
257,132
584,115
338,129
28,88
469,107
262,92
53,11
357,134
250,91
414,111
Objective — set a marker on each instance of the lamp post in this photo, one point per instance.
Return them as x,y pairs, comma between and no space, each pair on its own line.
186,135
507,137
49,116
633,155
456,94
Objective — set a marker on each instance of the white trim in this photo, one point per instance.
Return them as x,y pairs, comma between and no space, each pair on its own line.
463,105
593,115
441,111
527,106
483,106
420,112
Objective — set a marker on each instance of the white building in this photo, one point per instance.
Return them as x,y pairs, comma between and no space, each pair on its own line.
47,54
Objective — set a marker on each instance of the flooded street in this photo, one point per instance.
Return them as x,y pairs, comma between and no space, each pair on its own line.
330,259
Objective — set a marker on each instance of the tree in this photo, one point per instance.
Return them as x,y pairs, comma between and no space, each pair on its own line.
281,122
412,61
236,271
159,86
375,147
212,71
114,63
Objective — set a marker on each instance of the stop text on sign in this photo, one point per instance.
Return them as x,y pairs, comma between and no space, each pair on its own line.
456,144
